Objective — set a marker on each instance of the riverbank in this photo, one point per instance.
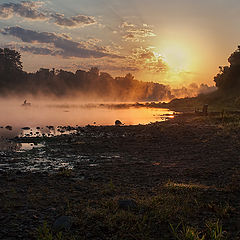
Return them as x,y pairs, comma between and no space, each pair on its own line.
183,171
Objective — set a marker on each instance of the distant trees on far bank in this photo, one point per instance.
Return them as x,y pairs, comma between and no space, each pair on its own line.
87,85
91,84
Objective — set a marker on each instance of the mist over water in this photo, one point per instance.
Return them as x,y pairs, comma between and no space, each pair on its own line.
44,113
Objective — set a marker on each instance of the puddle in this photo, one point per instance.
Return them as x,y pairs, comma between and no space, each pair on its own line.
93,165
42,161
48,131
29,146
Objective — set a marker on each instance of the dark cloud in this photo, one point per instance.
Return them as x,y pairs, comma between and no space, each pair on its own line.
71,22
30,10
122,68
40,50
69,48
24,9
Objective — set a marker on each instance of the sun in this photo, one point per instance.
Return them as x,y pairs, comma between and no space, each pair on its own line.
177,56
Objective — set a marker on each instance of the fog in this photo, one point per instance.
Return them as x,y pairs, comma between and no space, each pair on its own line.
92,85
61,113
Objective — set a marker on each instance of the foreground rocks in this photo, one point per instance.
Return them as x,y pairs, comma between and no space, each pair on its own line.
63,223
186,170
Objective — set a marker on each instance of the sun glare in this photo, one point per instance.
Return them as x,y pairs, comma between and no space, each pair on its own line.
177,56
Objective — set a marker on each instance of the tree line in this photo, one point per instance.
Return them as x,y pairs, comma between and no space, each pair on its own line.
91,84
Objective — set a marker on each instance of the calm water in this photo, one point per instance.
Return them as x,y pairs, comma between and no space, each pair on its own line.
37,117
49,120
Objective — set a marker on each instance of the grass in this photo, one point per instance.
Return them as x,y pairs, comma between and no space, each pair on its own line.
64,172
221,210
157,216
44,232
186,233
150,220
213,231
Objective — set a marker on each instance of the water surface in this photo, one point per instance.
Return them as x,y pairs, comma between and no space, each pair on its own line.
49,119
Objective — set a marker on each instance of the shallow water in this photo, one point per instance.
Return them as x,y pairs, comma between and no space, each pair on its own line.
29,146
57,119
38,116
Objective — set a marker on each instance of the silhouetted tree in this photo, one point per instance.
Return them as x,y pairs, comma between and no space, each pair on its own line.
228,78
10,60
60,83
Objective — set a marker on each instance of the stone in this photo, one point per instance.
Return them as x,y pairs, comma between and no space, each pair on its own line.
118,123
127,204
9,128
26,128
62,223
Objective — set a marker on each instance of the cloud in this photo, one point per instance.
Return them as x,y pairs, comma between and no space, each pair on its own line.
135,33
120,68
73,22
65,47
104,67
30,10
147,60
40,50
24,9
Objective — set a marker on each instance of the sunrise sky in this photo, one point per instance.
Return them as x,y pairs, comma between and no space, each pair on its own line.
174,42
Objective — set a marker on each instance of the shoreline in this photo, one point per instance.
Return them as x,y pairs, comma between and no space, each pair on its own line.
182,170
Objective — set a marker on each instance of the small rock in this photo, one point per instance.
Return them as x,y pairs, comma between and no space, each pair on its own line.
26,128
9,128
62,223
118,123
127,204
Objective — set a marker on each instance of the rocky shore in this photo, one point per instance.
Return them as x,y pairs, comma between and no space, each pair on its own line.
124,182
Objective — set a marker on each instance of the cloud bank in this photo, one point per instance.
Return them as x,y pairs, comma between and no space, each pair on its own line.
23,9
135,33
73,22
32,10
64,47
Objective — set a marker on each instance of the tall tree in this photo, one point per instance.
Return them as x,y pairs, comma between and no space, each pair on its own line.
10,60
228,79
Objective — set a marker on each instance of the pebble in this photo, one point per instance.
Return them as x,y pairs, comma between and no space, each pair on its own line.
127,204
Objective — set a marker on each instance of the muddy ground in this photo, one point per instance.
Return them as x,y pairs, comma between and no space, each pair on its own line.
184,171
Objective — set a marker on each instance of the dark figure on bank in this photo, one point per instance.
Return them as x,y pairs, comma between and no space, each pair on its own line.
205,109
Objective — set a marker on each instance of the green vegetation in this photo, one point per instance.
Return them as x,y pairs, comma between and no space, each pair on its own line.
155,217
213,231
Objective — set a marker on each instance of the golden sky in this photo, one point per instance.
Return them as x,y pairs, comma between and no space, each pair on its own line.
175,42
